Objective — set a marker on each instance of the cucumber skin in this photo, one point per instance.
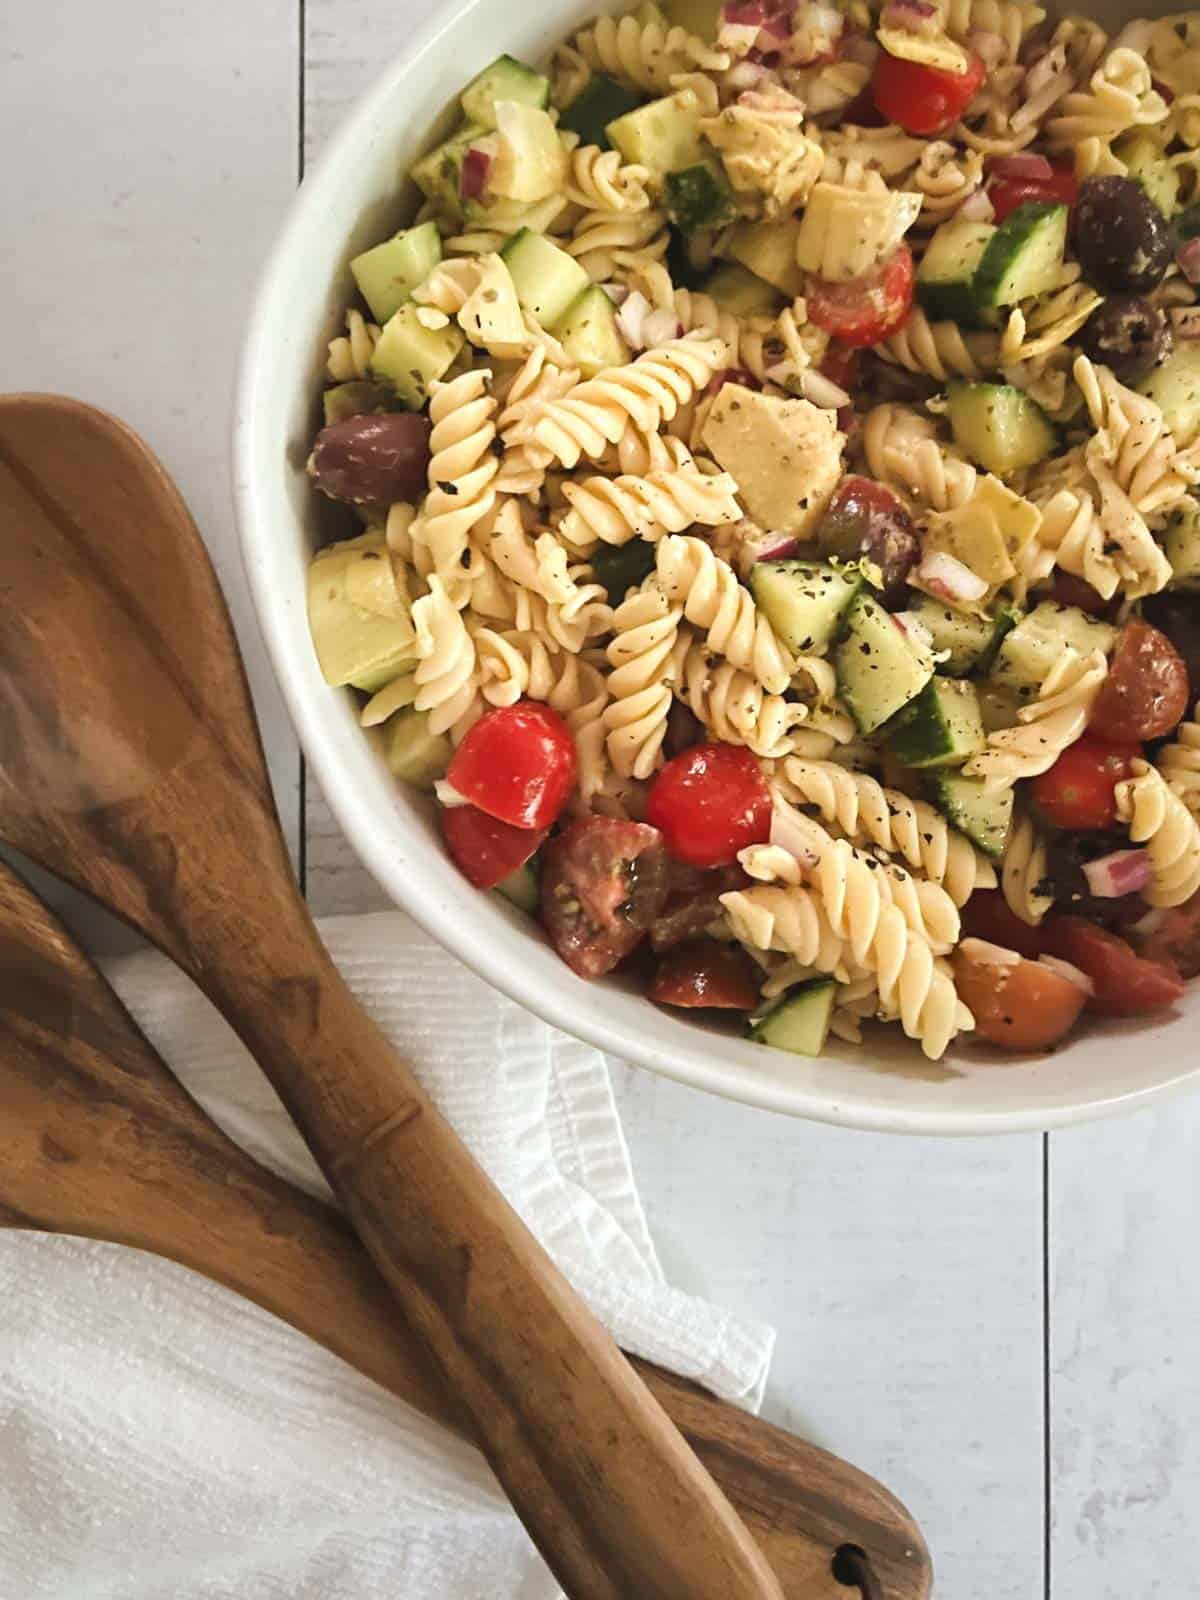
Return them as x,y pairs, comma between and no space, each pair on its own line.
919,734
1011,236
942,792
601,101
803,995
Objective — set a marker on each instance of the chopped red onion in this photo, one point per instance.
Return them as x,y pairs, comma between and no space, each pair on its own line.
781,550
1123,872
746,75
618,293
908,16
660,327
751,14
777,26
989,955
912,627
949,579
631,319
1187,258
977,207
789,832
1024,165
1071,973
472,180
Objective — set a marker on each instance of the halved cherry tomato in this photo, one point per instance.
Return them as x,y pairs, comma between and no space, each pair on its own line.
604,881
1175,938
1023,1006
924,99
704,972
1146,691
1006,194
1126,984
485,850
1070,590
710,802
866,309
987,915
1078,791
693,902
517,763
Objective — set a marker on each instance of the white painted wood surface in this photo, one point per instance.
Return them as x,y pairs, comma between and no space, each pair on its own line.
150,150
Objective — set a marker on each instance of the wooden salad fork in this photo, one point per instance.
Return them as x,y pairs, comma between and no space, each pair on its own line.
103,1142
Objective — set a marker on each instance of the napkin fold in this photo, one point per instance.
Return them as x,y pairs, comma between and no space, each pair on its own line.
161,1437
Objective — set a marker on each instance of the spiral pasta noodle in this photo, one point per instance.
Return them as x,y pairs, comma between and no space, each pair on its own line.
616,510
1133,437
1121,96
1179,762
1023,873
1158,819
732,704
462,467
640,654
645,54
537,380
1046,727
538,564
445,672
350,354
716,602
598,180
902,450
608,244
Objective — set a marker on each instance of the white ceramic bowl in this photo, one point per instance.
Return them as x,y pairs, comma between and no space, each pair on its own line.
354,198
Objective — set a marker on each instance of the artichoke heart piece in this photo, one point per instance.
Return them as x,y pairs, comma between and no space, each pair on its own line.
847,232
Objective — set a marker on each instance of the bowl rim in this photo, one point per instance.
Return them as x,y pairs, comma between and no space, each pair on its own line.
309,717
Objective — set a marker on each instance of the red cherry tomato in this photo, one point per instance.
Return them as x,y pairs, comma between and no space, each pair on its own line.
924,99
517,763
486,851
1006,194
1024,1006
1072,591
604,881
1077,792
987,915
1126,984
1175,939
866,309
703,972
710,802
1146,691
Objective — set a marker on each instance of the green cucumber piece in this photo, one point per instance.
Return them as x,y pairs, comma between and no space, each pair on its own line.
1181,544
1023,256
506,79
621,567
983,814
388,274
1144,160
942,727
356,399
1175,387
946,276
522,889
736,289
413,754
999,426
967,642
602,100
663,135
699,197
1027,653
804,601
701,18
799,1020
439,174
589,333
768,249
410,356
880,665
547,279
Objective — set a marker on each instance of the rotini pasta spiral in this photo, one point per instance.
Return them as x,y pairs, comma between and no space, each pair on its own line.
598,180
640,654
1158,819
868,813
610,244
616,510
538,379
1121,96
445,672
646,393
538,564
715,601
461,469
1047,726
1009,21
944,177
1179,762
1023,873
903,451
350,354
732,704
938,349
1133,438
645,54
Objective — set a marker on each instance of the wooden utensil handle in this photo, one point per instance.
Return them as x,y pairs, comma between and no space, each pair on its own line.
616,1501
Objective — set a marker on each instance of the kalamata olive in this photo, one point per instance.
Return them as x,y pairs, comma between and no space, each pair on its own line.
1129,335
866,519
1121,237
372,460
1177,614
684,729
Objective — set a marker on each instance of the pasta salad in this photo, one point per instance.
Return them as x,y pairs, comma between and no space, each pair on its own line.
776,444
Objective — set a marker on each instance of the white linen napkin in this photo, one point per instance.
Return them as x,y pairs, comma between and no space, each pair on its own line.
162,1439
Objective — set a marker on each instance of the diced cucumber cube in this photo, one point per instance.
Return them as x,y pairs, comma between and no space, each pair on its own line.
942,727
768,249
1146,161
547,279
356,399
701,18
966,642
1036,644
736,289
804,601
412,753
589,333
946,275
1024,255
1175,387
663,135
388,274
522,889
982,813
799,1020
699,197
602,100
439,174
999,426
880,664
1181,543
410,356
505,79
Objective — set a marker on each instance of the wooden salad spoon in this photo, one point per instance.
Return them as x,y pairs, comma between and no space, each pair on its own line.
130,764
102,1141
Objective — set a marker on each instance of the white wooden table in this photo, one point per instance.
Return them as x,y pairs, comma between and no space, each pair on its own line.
1006,1332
